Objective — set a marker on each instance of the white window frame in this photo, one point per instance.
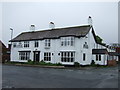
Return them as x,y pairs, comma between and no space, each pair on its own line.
85,45
24,55
47,56
36,43
84,56
67,56
47,42
98,57
26,44
67,41
20,45
14,45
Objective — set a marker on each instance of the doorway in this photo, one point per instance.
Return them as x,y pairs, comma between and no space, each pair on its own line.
36,56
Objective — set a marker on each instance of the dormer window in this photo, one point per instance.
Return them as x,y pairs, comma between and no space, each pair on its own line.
26,43
85,45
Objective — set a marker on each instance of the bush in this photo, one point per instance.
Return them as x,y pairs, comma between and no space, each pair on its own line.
98,65
42,62
59,64
76,64
30,62
93,63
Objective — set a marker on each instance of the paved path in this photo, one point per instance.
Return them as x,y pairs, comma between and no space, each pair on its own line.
36,77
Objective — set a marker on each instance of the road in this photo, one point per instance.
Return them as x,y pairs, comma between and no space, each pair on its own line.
36,77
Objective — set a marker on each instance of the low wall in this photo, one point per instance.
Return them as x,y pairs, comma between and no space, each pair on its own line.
111,63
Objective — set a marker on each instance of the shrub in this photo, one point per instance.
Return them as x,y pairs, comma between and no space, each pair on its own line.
98,65
42,62
30,62
92,62
59,64
76,64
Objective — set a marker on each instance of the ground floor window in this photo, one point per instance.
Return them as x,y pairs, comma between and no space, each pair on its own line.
98,57
24,55
47,56
84,56
111,57
67,56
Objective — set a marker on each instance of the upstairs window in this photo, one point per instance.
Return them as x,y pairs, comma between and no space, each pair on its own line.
85,45
36,43
67,41
26,43
14,45
96,46
20,45
47,42
17,45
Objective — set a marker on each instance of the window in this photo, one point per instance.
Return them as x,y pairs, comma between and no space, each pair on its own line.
98,57
67,56
24,55
47,56
36,44
17,45
47,42
96,46
85,45
83,56
67,41
26,43
20,44
14,45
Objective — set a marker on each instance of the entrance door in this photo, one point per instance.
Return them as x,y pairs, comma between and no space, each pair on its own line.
36,56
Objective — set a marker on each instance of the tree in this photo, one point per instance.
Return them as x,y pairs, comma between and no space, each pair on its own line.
99,40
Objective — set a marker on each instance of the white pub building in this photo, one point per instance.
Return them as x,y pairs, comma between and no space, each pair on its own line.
60,45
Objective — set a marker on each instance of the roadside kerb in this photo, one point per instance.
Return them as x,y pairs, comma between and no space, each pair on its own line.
55,67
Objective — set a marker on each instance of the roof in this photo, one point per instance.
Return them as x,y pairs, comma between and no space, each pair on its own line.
99,51
94,35
114,53
78,31
2,43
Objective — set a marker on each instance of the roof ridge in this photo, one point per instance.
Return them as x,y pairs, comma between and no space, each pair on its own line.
55,29
54,33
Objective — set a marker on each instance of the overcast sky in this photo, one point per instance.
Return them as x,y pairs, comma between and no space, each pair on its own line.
20,16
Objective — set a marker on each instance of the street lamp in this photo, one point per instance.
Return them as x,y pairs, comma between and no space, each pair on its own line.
11,34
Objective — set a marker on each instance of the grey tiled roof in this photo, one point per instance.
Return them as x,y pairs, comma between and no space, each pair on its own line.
114,53
78,31
99,51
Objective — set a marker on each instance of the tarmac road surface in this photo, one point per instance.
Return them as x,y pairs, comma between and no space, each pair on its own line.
36,77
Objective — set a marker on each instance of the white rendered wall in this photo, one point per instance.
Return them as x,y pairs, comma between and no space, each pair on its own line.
103,60
56,48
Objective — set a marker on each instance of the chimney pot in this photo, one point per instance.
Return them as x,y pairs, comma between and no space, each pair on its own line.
90,20
51,25
32,27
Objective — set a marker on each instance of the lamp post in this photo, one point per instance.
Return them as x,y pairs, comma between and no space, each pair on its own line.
11,34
